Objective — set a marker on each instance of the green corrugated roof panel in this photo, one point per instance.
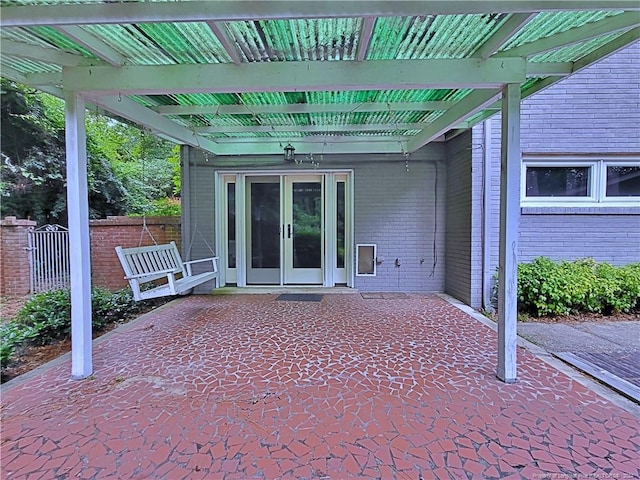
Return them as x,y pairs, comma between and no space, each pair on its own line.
546,24
442,36
44,37
186,42
572,53
132,43
294,40
26,66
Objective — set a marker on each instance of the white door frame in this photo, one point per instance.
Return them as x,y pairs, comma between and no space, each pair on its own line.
331,276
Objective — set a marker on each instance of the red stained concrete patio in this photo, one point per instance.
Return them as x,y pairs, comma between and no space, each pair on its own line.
244,386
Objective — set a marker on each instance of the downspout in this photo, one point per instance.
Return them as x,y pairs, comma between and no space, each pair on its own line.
185,154
486,215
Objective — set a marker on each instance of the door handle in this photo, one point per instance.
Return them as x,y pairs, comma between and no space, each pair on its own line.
289,230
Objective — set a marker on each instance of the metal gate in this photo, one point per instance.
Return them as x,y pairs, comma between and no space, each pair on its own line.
49,258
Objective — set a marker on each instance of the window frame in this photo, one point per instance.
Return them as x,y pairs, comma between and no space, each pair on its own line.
609,200
597,181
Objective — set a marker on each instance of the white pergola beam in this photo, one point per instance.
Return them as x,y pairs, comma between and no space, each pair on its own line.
624,21
508,250
127,108
371,127
43,54
305,148
303,108
221,11
607,49
226,41
79,243
553,69
96,46
297,76
315,139
365,38
512,26
471,104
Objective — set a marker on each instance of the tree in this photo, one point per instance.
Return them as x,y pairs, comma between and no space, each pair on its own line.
129,171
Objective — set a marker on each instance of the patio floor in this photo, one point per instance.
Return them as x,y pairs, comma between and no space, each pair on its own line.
245,386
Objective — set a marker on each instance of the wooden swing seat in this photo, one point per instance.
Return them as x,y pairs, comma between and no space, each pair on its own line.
146,264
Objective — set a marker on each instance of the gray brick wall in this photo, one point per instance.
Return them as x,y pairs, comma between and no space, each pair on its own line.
399,211
594,112
402,213
199,230
458,236
597,110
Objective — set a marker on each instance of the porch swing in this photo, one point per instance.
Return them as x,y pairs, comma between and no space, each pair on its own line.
163,262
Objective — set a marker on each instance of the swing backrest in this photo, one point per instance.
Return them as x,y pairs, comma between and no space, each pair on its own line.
151,262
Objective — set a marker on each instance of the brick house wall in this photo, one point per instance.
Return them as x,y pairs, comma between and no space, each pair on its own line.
595,113
400,211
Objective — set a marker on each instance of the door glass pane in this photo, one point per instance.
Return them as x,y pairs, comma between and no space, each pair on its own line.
307,224
265,225
231,225
340,215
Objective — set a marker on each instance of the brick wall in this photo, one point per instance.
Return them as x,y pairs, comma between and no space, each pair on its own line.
594,112
458,234
14,258
111,232
105,236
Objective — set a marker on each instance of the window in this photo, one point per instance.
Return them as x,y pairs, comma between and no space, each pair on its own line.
623,181
580,181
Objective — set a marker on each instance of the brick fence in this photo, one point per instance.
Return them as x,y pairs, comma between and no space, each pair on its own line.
105,236
14,256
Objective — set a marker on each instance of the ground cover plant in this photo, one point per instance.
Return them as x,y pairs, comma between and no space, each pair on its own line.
548,288
46,318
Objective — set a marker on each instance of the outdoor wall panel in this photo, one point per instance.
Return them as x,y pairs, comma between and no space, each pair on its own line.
595,113
458,250
401,211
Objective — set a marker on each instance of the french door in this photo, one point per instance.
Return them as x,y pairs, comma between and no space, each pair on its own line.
303,229
284,229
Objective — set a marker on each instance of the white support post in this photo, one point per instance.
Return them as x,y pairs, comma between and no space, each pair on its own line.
509,217
79,245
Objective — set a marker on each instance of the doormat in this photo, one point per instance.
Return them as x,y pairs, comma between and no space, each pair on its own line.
383,295
300,297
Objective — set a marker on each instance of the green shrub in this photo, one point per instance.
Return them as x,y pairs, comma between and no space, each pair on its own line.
47,317
548,288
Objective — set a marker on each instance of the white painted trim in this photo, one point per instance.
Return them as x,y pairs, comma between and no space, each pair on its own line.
575,35
303,108
487,224
295,76
501,36
597,181
364,127
79,241
201,11
469,105
375,256
100,49
508,248
345,175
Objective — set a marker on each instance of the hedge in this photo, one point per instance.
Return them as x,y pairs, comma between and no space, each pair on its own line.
547,288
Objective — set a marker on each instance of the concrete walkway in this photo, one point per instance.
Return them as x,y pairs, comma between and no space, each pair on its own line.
608,351
248,387
583,337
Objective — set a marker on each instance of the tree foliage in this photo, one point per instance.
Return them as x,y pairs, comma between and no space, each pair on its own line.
129,171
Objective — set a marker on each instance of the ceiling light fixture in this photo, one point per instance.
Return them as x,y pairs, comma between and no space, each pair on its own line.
289,153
